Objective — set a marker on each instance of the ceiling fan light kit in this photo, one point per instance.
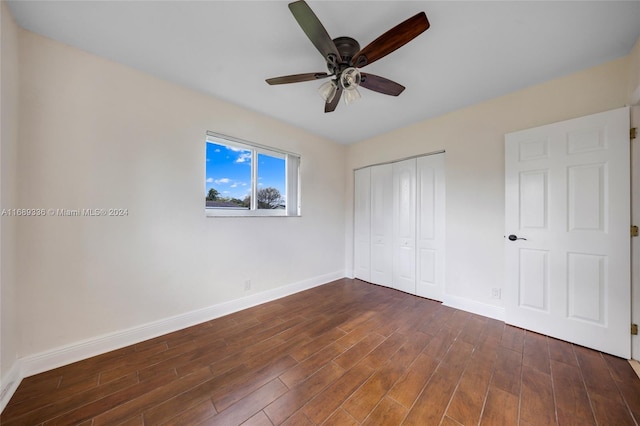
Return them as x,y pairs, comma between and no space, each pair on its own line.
350,78
344,58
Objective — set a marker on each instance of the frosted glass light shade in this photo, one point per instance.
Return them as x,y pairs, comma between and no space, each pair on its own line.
351,95
328,90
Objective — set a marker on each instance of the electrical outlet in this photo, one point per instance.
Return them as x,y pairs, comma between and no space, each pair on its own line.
496,293
247,285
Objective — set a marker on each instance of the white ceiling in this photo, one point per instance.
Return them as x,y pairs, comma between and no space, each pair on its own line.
474,50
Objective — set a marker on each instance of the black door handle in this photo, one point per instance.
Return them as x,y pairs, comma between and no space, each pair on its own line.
515,237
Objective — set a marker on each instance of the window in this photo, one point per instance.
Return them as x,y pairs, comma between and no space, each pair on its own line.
246,179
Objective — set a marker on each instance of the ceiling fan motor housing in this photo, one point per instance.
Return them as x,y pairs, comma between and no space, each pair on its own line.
347,47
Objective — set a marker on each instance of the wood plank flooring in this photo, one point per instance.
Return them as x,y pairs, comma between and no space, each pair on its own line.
346,353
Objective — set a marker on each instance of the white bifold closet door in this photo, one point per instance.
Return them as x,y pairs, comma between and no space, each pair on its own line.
401,205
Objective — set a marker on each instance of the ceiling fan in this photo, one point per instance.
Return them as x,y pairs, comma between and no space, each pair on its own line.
345,58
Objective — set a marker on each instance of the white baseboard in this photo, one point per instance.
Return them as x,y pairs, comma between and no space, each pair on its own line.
475,307
67,354
9,383
636,366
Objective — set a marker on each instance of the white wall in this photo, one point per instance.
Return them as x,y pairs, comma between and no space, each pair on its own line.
474,142
634,75
96,134
9,332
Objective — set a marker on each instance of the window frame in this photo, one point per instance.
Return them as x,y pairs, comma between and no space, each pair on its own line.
292,179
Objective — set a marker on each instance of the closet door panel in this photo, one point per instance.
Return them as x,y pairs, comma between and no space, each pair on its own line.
404,226
381,224
362,224
430,227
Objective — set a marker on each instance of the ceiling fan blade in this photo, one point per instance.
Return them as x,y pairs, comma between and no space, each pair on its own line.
331,106
314,29
393,39
297,78
381,84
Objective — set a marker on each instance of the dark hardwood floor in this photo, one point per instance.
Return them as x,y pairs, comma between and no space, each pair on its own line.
346,353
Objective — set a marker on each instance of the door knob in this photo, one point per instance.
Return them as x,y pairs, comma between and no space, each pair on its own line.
515,237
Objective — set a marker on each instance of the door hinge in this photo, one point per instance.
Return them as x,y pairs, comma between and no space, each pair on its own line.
634,231
634,329
632,133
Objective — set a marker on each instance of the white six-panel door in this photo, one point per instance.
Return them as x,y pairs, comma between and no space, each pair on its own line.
635,242
568,202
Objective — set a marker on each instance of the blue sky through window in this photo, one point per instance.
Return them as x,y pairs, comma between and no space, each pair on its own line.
271,173
228,170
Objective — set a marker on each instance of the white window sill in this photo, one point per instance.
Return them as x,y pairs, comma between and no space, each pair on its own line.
231,212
